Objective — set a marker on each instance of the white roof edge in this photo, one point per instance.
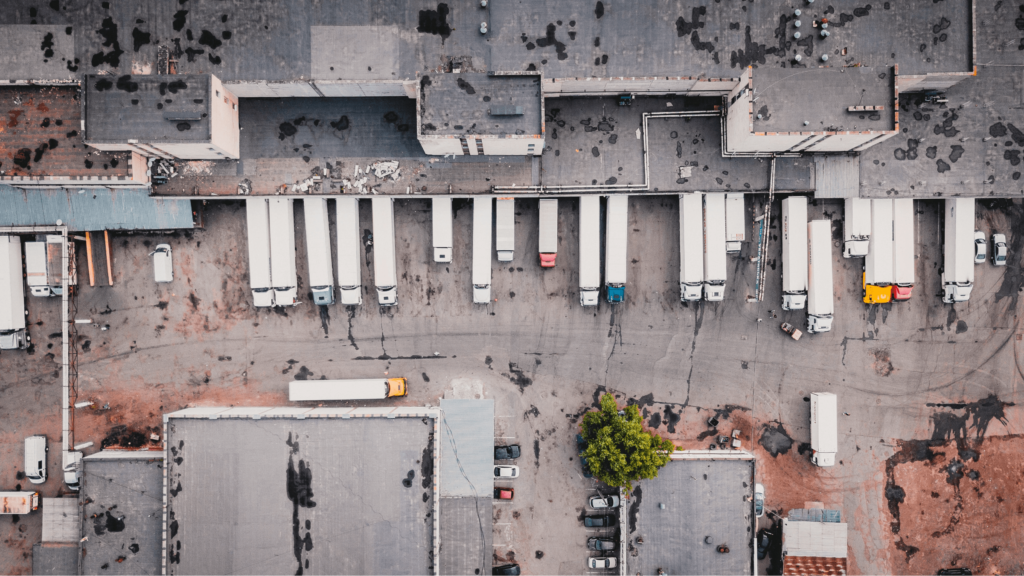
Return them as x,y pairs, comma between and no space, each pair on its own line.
711,455
127,455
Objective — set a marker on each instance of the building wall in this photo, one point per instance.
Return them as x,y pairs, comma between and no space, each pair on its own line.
333,89
264,89
444,145
513,146
843,142
224,132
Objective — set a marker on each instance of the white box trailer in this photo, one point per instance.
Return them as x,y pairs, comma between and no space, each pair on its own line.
443,239
36,273
327,390
902,248
505,228
824,428
350,274
257,220
483,218
282,252
958,250
820,301
856,228
691,246
794,253
548,232
590,249
878,262
18,502
616,233
44,265
714,247
735,225
385,268
12,296
318,250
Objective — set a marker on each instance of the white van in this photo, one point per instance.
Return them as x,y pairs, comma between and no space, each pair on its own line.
35,459
163,267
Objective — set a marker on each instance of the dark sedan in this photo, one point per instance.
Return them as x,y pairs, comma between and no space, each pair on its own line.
506,452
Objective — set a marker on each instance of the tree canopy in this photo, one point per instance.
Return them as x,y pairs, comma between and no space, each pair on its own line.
619,451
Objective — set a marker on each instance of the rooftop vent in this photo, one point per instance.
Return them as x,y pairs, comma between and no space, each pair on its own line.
506,110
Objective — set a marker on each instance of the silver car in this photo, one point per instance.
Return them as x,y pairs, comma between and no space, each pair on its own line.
601,563
980,247
999,250
599,502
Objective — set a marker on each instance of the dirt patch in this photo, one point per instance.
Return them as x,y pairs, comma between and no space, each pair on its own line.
883,361
957,504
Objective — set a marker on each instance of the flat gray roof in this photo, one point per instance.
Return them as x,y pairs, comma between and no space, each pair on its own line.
702,498
123,515
58,559
467,536
467,448
787,97
473,103
156,108
93,209
280,495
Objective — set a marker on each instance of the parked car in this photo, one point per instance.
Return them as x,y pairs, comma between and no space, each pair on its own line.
502,472
601,563
763,543
35,459
506,452
602,521
163,269
999,250
601,544
504,493
599,502
980,247
758,500
506,570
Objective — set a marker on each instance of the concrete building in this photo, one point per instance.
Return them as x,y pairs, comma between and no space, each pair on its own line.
814,542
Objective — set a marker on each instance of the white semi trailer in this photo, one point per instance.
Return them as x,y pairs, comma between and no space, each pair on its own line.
958,252
318,250
856,228
548,233
482,221
714,247
12,295
282,252
820,302
505,228
350,271
794,253
691,246
824,428
441,215
902,248
257,220
735,226
616,232
385,270
44,265
878,278
590,249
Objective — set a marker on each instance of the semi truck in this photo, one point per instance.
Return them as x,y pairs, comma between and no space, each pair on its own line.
365,389
548,234
12,296
385,271
590,250
44,265
616,231
691,246
714,247
257,220
877,277
441,214
282,252
18,502
735,227
482,220
902,248
318,251
820,304
505,228
350,274
824,428
857,228
958,250
794,253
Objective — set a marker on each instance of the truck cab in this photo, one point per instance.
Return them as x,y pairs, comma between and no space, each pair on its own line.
387,295
481,293
396,387
816,324
690,292
616,294
876,294
901,292
588,297
956,292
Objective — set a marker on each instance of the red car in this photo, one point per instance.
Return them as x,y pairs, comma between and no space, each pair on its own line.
504,493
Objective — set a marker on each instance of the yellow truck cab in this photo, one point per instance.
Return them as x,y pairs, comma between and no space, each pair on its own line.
875,294
396,387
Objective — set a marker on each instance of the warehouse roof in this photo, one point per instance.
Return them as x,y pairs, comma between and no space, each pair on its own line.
481,104
82,209
156,108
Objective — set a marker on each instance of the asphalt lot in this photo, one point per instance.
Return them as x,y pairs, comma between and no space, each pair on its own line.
544,360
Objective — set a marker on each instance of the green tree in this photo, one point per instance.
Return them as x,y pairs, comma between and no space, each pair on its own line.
619,451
